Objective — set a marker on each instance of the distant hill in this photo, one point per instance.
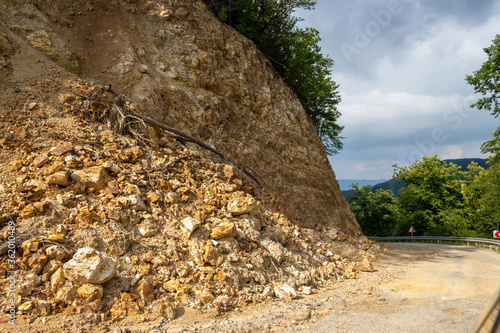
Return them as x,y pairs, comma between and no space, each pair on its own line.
345,183
395,186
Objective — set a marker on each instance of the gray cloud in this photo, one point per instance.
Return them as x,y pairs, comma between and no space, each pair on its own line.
401,66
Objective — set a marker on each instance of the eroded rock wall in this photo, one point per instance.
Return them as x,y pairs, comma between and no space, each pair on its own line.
180,65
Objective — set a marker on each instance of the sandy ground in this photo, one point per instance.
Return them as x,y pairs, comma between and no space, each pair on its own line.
443,289
414,288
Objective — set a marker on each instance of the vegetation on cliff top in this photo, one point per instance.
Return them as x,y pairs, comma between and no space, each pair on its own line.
294,53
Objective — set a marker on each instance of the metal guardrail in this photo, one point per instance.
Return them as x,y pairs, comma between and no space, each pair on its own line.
439,239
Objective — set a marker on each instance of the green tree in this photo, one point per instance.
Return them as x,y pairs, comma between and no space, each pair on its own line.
294,53
463,219
431,187
377,213
483,208
481,198
486,81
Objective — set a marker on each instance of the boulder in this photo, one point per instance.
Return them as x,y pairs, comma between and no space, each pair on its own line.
60,178
40,160
90,292
276,251
285,291
212,256
223,230
93,178
189,225
164,309
90,266
241,205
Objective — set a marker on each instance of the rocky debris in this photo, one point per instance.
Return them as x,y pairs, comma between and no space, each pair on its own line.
109,231
285,291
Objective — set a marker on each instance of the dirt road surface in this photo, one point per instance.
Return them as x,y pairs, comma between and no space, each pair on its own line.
414,288
444,289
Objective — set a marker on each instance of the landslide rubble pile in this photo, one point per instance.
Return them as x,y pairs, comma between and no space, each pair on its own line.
112,225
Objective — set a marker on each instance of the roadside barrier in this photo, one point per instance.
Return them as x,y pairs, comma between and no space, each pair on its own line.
493,243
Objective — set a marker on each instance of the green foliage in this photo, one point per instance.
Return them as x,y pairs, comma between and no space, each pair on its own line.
377,213
486,81
431,187
481,198
294,53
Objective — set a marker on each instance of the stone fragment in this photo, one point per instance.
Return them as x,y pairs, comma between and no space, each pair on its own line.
135,202
252,234
66,98
27,212
58,166
229,171
90,292
268,291
145,290
276,251
67,293
366,266
223,230
93,177
58,234
172,197
205,297
189,225
17,165
30,245
26,307
212,256
148,228
55,252
42,308
50,268
285,291
29,283
124,308
172,286
114,214
112,167
164,308
37,261
57,279
153,197
73,161
274,234
40,160
241,205
60,178
307,290
90,266
61,150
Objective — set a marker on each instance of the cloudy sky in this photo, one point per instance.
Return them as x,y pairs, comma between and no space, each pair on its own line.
401,66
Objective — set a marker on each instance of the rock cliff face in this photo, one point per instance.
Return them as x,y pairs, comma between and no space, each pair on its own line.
179,65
